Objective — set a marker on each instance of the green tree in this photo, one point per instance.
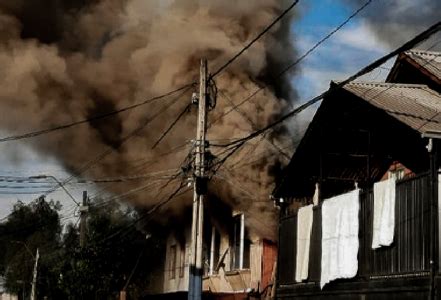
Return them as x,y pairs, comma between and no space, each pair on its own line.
28,227
114,247
115,251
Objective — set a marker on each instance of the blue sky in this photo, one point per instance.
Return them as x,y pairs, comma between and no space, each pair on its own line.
351,48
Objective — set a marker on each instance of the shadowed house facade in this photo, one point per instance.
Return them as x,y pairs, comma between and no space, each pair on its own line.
418,67
361,134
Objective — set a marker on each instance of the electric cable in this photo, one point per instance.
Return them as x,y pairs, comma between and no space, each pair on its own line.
164,134
91,119
106,152
408,45
109,150
254,125
232,147
105,115
297,61
274,22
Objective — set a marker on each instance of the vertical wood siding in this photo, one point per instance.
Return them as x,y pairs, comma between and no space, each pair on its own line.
408,255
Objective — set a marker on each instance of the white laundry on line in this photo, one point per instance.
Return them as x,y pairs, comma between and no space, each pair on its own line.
384,213
304,229
340,242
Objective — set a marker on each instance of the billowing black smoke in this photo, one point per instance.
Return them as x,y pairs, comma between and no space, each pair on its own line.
62,61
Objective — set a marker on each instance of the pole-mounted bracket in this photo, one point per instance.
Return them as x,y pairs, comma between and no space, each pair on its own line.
195,98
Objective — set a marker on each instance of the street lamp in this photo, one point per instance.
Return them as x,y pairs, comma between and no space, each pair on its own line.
43,176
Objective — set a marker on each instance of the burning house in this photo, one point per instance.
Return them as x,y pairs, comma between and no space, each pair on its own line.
76,60
359,199
235,261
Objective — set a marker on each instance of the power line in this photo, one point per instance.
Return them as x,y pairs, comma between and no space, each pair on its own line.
164,134
150,185
106,152
112,113
254,125
180,168
22,187
103,154
232,147
92,119
276,20
21,193
262,155
128,178
408,45
128,193
158,205
296,62
237,186
388,111
392,85
181,171
174,150
155,208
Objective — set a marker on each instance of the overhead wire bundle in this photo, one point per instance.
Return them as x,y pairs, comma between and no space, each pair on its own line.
230,147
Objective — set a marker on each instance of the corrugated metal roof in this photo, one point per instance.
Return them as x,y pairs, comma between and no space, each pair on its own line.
415,105
431,61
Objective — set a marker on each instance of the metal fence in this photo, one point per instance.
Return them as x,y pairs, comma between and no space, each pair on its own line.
407,256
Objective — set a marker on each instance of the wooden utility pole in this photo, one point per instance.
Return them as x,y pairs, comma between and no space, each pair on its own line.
34,277
84,208
122,295
200,188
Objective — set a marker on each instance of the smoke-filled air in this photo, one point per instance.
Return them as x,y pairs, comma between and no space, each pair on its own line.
64,61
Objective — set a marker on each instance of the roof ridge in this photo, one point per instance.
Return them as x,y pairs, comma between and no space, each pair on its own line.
387,84
420,51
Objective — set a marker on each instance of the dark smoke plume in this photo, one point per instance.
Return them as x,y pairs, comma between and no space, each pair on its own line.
62,61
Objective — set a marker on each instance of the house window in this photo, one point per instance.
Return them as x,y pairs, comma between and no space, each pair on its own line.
239,244
182,261
172,262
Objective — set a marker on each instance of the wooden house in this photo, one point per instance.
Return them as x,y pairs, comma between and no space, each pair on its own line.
359,135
